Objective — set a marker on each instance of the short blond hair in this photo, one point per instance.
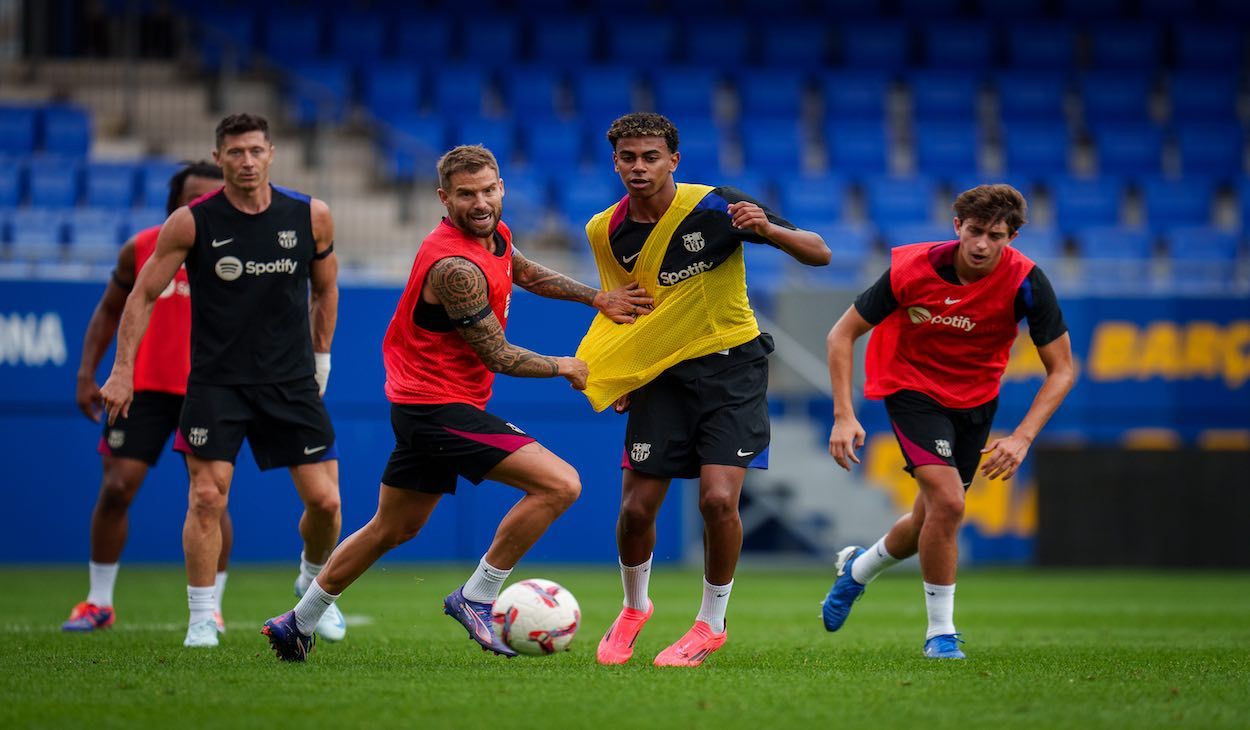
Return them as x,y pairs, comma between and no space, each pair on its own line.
465,158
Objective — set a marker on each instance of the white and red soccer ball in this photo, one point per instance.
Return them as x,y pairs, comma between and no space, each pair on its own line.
536,616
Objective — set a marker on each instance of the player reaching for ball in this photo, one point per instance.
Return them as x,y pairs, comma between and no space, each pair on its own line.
946,315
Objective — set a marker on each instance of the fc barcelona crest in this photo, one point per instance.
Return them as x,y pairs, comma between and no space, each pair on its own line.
943,448
693,242
117,438
197,436
640,452
287,239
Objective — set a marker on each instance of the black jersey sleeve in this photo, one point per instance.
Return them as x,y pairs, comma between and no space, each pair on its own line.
876,302
1036,302
734,195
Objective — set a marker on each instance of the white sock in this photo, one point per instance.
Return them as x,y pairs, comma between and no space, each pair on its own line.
873,562
311,607
307,572
219,588
200,601
940,602
635,579
103,577
483,586
715,603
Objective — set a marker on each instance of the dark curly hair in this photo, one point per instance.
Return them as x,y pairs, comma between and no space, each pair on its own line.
643,124
202,168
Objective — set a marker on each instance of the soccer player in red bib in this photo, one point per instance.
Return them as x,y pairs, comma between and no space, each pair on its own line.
443,347
946,316
133,444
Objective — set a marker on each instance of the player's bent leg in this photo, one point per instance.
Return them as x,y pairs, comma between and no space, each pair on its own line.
551,486
320,525
720,489
943,495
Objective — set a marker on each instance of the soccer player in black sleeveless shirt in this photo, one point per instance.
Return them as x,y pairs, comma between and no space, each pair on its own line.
251,250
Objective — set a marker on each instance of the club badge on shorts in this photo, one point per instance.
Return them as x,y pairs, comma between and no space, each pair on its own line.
197,436
943,447
640,452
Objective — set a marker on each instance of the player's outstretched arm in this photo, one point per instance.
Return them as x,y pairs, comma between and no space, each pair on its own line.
460,286
847,433
101,328
176,238
1007,453
805,247
622,305
324,278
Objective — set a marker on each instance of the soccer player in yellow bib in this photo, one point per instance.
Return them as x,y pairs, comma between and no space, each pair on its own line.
692,374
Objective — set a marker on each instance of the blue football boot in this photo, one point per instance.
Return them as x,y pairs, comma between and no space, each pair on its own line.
844,592
943,646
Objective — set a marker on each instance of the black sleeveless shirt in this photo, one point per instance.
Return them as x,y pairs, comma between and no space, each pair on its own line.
249,290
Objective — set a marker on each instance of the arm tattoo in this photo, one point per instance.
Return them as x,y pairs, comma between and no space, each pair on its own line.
462,289
547,283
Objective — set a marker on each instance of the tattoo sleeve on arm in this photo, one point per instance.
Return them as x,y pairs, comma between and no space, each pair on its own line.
461,287
547,283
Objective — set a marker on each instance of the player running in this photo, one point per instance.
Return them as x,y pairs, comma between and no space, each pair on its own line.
251,250
443,347
693,375
946,316
133,444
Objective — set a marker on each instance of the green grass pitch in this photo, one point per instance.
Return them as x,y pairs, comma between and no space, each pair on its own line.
1046,649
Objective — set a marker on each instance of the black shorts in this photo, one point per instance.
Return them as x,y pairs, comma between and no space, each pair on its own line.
930,433
286,424
676,424
436,443
142,434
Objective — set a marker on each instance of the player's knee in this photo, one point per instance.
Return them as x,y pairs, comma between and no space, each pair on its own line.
117,492
718,507
565,489
945,508
206,501
327,503
636,514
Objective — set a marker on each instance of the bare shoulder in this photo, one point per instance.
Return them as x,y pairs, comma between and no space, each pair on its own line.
457,283
178,232
322,223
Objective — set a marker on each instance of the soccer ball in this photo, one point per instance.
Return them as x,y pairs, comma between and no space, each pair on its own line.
536,616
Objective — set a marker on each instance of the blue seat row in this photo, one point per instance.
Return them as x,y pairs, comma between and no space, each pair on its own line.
53,129
83,234
42,181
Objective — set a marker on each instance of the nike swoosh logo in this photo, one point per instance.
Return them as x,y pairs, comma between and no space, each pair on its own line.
309,452
931,593
721,595
744,453
630,259
217,244
953,301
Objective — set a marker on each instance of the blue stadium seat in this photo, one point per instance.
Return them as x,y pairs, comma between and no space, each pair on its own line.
944,95
1215,149
1126,46
460,90
856,95
772,147
1041,46
1031,96
1203,96
358,37
700,142
959,183
66,131
410,146
1091,9
1012,11
894,200
17,129
499,32
1128,148
753,184
12,180
685,91
497,135
771,93
109,185
856,9
563,39
89,228
223,31
882,46
583,195
138,219
795,43
1120,96
1040,244
1034,150
959,44
1114,242
1169,201
850,246
945,149
391,90
527,198
1209,46
423,37
857,148
656,43
901,234
714,42
531,90
553,144
1202,243
1080,202
291,36
36,234
319,91
777,8
603,93
812,201
929,10
54,182
154,183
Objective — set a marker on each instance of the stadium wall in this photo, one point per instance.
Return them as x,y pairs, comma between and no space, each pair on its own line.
1170,372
